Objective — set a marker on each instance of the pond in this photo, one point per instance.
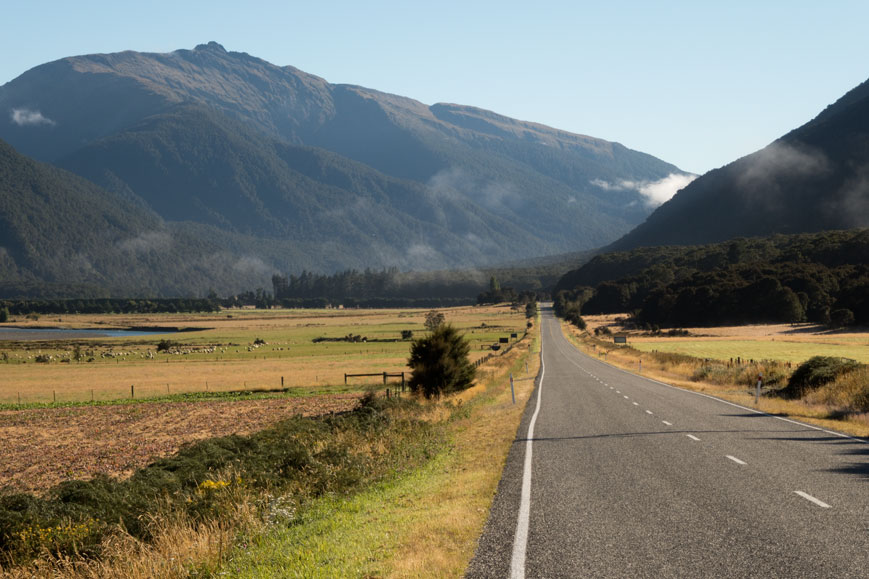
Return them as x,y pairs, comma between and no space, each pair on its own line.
33,334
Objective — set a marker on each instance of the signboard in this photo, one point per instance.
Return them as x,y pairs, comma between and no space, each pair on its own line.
504,340
620,339
514,336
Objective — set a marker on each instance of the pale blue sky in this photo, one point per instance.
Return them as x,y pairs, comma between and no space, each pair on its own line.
696,83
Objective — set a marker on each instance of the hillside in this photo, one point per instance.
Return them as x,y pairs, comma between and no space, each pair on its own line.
453,184
784,278
63,236
815,178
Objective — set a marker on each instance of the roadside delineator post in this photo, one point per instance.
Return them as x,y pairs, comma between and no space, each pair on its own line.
512,391
757,389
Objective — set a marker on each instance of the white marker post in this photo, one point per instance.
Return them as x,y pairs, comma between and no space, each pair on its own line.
757,390
512,391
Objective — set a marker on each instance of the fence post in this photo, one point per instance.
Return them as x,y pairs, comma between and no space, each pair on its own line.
132,390
384,381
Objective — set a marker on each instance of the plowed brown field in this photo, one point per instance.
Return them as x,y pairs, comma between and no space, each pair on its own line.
42,447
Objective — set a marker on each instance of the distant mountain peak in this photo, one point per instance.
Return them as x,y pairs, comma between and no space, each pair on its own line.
213,46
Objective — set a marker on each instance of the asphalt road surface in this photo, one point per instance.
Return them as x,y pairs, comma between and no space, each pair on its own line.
615,475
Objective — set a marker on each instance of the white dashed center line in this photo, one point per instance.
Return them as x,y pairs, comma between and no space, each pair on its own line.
667,423
809,497
636,403
736,460
692,437
648,411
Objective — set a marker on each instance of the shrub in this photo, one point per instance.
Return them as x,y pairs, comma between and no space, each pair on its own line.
4,315
841,318
814,373
433,320
440,363
406,334
166,345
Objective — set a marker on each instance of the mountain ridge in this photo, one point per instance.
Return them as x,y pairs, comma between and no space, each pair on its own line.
814,178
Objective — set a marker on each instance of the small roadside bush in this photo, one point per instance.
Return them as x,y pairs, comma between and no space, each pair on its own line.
406,334
4,315
439,363
816,372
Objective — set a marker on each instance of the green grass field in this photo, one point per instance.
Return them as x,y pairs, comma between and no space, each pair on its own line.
795,352
221,353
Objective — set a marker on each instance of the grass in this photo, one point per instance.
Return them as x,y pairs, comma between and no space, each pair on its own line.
736,383
422,524
220,355
787,351
441,503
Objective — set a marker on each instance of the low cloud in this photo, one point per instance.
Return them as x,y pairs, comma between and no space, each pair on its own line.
27,117
781,159
148,241
654,192
252,266
455,183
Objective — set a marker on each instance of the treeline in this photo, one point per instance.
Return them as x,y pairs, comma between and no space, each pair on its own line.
109,306
822,278
393,288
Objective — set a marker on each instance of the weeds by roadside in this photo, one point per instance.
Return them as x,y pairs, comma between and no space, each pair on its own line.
218,485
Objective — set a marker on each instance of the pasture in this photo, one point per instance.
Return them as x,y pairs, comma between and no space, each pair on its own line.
231,350
793,343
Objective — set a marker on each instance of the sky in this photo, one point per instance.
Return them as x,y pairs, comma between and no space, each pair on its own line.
696,83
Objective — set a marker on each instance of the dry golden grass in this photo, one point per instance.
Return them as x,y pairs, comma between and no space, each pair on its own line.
449,519
814,410
180,546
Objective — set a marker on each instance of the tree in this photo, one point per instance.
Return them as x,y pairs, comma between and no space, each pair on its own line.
4,315
841,317
433,320
439,363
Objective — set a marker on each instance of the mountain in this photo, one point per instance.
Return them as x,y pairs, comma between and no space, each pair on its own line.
194,164
63,236
296,172
815,178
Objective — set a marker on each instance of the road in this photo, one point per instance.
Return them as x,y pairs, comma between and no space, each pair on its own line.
623,476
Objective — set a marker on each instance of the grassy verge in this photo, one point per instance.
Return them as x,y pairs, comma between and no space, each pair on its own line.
827,408
424,523
213,489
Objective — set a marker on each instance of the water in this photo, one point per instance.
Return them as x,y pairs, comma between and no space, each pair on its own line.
32,334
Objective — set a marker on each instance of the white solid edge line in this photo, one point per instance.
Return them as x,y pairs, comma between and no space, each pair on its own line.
809,497
520,539
736,460
761,412
692,437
